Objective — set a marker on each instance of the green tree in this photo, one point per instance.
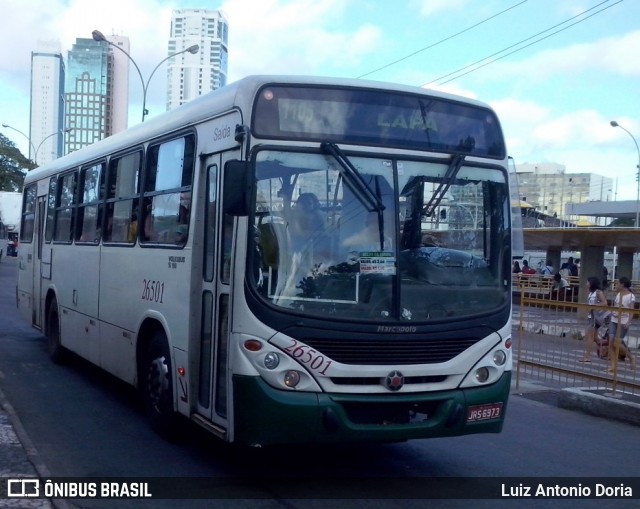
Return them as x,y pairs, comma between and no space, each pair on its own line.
13,165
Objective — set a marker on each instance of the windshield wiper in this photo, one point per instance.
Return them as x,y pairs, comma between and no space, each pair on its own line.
351,175
445,183
353,178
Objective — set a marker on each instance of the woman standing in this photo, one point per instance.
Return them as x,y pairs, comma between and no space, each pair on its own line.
620,321
595,318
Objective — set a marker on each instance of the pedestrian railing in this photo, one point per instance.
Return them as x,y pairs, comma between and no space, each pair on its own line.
551,334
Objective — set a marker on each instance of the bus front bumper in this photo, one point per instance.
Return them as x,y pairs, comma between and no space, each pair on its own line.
267,416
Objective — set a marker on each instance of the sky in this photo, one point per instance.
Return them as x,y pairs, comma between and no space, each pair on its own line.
556,71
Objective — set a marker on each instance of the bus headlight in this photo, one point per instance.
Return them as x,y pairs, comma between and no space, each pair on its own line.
291,378
482,375
499,357
271,360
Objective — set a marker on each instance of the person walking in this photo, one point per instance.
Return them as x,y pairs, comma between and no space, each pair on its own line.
595,319
620,322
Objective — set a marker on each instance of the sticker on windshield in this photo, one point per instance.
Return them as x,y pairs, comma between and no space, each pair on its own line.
377,262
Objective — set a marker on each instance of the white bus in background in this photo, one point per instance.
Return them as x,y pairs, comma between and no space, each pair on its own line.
4,239
10,204
257,262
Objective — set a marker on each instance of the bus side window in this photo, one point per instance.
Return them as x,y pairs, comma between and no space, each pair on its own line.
89,212
167,196
28,214
65,205
51,209
123,188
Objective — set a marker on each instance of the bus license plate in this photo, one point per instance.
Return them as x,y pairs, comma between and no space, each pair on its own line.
484,412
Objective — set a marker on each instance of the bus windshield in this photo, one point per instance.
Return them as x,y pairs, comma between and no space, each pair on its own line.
404,241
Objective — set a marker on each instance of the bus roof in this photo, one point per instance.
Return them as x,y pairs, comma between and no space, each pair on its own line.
211,104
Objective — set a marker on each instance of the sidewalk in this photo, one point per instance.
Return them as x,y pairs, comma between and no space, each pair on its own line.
620,405
19,459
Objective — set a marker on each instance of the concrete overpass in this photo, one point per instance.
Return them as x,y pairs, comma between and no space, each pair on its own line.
592,243
623,209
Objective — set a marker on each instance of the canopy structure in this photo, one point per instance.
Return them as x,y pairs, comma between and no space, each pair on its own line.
522,204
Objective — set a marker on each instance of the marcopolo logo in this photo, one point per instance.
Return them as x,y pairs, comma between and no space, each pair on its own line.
400,329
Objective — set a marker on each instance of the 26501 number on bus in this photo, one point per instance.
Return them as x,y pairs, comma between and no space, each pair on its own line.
152,291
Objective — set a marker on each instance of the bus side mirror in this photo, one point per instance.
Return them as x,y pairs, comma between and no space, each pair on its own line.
238,187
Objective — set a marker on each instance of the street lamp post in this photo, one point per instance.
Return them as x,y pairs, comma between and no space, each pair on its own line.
33,147
63,131
20,132
615,124
98,36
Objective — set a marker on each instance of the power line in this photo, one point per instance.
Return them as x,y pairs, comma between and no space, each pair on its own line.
441,41
476,66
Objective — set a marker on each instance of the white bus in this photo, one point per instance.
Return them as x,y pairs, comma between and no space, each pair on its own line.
263,261
4,239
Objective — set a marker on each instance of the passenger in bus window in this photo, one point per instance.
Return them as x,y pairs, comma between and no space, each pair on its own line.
185,208
147,227
132,232
306,220
184,212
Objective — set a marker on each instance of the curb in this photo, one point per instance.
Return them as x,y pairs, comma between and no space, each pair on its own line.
619,406
26,457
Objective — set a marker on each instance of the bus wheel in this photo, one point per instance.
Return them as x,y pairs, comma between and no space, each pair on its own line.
54,346
157,387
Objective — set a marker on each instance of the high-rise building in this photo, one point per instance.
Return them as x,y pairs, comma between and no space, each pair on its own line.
189,75
96,91
550,189
118,103
87,93
47,103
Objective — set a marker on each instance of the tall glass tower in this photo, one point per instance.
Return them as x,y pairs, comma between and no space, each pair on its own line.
87,94
189,76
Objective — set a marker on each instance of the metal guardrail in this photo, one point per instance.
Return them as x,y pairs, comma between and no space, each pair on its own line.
549,337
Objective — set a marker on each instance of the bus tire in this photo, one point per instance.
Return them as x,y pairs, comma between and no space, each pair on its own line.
57,352
157,387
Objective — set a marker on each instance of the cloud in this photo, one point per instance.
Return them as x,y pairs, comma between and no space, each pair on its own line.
581,140
432,7
586,127
294,37
454,88
614,55
518,119
17,21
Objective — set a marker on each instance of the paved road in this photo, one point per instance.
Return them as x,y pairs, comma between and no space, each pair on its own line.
80,422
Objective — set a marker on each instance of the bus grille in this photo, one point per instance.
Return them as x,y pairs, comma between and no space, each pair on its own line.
390,352
370,380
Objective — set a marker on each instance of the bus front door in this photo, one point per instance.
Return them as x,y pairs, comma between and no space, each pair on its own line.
213,377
